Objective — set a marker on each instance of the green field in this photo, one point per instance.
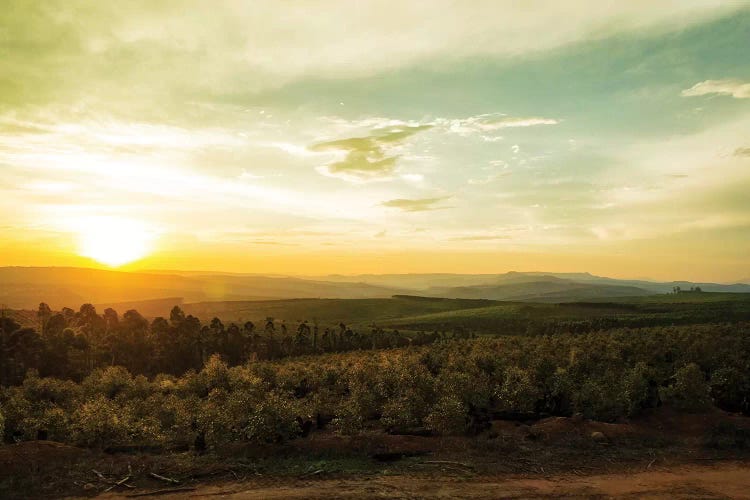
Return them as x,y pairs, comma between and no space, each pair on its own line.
521,318
355,312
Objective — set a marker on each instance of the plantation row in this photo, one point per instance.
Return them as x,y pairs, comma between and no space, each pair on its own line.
451,387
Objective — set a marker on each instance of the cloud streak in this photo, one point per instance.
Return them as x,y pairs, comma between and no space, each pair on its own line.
490,122
417,205
729,87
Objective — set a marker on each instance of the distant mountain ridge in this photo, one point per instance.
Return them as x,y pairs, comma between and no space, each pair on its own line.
25,287
443,283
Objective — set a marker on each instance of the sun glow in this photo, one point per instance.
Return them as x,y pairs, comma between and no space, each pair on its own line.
114,241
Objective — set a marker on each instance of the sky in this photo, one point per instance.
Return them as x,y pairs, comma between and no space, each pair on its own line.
345,137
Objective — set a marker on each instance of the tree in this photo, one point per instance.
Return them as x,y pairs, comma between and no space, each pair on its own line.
270,327
22,350
68,314
176,316
43,315
55,325
111,320
234,349
134,344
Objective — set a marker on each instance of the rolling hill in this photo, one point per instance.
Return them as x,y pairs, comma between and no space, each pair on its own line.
359,312
26,287
632,312
543,289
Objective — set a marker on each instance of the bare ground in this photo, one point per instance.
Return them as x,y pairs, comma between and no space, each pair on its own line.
662,455
720,481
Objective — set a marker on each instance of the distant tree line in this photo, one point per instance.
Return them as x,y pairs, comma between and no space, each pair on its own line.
71,344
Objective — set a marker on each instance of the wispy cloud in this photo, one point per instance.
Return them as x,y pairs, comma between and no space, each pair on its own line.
418,205
490,122
742,152
362,159
729,87
373,157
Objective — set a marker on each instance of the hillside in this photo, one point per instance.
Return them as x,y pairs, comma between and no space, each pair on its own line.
435,284
350,311
545,289
148,308
515,318
26,287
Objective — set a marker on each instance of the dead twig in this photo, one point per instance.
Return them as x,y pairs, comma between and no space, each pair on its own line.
163,478
121,482
165,491
101,476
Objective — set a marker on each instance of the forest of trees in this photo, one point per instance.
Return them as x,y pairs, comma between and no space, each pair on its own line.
448,387
70,344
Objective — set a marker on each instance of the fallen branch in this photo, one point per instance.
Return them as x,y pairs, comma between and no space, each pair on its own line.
165,491
101,476
314,473
163,478
121,482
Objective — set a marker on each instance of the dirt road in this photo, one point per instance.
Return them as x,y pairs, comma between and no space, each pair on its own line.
727,480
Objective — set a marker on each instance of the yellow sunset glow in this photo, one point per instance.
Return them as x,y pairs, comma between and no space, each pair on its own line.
114,241
609,144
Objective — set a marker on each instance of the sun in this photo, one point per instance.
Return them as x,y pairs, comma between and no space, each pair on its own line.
114,241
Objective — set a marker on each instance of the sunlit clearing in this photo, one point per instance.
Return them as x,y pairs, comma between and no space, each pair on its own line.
114,241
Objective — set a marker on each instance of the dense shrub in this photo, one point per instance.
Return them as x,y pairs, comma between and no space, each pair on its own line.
600,399
109,382
517,392
448,416
100,421
690,391
272,420
640,389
